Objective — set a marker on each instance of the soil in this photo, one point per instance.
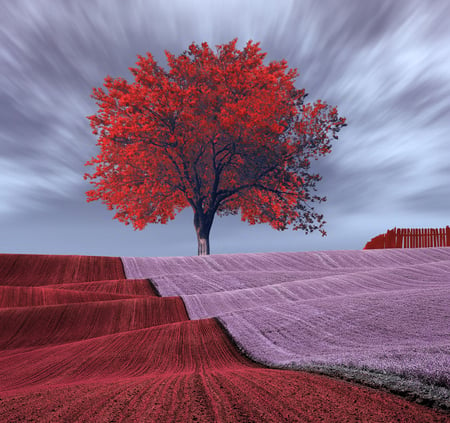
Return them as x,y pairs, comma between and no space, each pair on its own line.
143,360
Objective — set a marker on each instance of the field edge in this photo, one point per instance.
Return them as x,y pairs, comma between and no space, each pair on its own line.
415,391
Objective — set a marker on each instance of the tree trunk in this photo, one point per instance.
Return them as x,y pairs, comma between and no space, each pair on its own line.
203,246
202,224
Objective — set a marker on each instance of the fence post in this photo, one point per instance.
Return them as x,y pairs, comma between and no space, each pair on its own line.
401,238
447,231
390,238
386,239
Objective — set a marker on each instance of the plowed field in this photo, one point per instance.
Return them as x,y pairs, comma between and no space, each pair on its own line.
377,316
79,342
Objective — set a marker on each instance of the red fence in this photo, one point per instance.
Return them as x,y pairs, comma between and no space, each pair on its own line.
411,238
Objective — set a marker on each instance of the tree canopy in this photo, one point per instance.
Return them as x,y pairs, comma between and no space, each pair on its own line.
221,133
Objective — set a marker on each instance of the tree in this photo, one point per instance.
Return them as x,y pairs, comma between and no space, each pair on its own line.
221,133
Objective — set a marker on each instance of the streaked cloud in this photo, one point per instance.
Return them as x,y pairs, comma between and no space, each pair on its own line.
385,64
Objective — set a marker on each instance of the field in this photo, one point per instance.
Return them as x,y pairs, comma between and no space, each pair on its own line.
298,337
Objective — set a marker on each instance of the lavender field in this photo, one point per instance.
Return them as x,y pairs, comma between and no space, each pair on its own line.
381,311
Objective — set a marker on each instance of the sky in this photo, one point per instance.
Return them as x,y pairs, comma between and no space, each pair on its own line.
384,64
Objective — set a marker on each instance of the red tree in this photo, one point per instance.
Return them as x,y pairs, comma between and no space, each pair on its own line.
220,133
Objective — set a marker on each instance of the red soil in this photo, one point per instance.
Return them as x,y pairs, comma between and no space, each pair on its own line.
142,360
50,325
134,287
26,296
38,270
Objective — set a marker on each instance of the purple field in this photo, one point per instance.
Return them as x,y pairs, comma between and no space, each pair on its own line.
381,311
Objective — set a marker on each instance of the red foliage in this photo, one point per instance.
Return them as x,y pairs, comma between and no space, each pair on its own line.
218,132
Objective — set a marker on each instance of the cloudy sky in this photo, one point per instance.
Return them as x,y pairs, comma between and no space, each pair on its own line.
384,64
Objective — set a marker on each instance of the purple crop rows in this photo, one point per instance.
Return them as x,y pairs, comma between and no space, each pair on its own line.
382,310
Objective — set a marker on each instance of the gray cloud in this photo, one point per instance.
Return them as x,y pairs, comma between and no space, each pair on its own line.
384,64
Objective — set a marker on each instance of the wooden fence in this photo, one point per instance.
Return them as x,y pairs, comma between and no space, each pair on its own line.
411,238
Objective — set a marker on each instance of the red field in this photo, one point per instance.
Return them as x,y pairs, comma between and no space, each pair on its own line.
79,342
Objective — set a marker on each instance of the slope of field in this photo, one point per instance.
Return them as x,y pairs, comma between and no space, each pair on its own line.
384,312
40,269
133,287
309,262
94,347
